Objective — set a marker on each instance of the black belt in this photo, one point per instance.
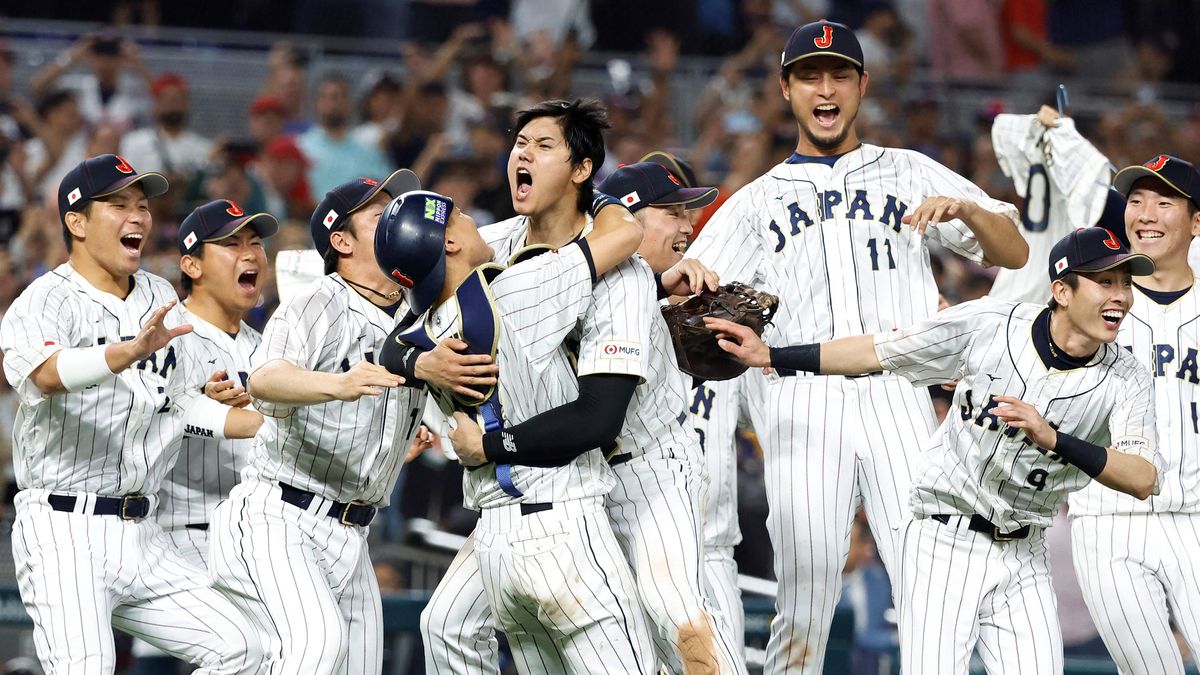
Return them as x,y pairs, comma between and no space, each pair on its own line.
352,513
985,526
203,527
788,372
535,507
620,459
129,507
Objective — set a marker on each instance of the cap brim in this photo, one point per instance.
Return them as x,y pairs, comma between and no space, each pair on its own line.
398,183
856,62
692,198
671,163
264,224
1126,177
153,184
1139,265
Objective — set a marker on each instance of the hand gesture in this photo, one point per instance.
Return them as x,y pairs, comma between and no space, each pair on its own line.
689,277
1020,415
1048,116
155,335
743,343
224,390
467,439
446,368
938,210
365,379
424,440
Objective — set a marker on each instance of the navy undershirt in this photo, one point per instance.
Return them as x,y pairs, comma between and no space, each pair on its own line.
1051,354
798,158
1162,297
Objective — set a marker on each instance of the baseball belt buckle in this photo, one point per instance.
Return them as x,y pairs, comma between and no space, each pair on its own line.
344,518
125,502
997,535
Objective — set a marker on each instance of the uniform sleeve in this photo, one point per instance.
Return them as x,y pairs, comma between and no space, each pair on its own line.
954,234
1131,422
731,242
1013,137
543,298
616,334
1080,173
39,323
298,332
933,351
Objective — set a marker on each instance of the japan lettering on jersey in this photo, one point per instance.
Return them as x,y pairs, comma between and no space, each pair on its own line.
974,463
1064,180
116,437
1166,340
206,468
341,450
831,240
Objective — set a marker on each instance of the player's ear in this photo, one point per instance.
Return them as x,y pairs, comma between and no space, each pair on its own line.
190,265
783,86
862,83
581,171
1195,221
1061,292
75,223
340,242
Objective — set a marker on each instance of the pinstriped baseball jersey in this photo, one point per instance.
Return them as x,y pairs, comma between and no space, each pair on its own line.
625,334
831,242
205,468
341,450
1064,180
1165,338
974,463
117,437
713,413
538,301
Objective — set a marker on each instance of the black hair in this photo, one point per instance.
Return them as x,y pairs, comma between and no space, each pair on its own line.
1071,279
52,100
583,122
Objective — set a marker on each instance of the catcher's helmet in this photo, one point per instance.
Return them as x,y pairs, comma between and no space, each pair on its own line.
410,244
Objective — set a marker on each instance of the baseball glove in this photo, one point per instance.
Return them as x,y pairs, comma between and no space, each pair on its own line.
696,346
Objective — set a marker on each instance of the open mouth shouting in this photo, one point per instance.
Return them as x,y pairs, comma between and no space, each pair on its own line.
524,183
133,242
248,281
1112,318
827,115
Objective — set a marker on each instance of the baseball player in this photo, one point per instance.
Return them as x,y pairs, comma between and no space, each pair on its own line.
91,350
1046,402
550,565
838,231
1064,180
289,546
1136,560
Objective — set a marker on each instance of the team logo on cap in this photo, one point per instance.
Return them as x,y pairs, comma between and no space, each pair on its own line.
368,181
74,196
630,199
1157,163
401,279
826,39
330,219
674,179
1060,265
123,166
234,210
1112,241
435,210
190,240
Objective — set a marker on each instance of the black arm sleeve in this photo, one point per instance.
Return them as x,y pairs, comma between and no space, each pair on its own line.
400,358
800,357
555,437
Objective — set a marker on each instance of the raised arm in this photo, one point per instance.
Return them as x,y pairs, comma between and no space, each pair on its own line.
284,383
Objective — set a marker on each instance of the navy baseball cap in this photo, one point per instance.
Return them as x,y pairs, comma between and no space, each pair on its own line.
217,220
1175,172
650,184
1094,249
102,176
410,245
822,38
341,202
679,168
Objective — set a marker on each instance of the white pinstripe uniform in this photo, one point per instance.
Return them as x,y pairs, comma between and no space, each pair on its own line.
206,468
556,579
79,574
303,576
1064,180
959,588
1138,561
829,242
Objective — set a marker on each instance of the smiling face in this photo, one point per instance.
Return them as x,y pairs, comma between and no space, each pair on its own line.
824,93
112,232
666,238
1098,304
231,271
540,173
1159,221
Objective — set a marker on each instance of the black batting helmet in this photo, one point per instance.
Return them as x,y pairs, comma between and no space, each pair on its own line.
410,244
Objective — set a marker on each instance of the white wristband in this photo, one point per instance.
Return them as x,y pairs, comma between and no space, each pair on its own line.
82,367
205,418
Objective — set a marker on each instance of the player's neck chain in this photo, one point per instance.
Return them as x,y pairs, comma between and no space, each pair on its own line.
391,298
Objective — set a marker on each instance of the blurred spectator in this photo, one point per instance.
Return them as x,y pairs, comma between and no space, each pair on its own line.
456,180
964,40
1028,55
15,188
61,143
485,84
1094,32
282,172
490,146
554,19
286,77
266,119
425,119
335,156
388,576
868,592
380,112
105,139
114,87
167,146
883,39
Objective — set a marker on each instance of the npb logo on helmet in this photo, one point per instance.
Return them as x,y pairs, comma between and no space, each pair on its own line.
435,210
621,350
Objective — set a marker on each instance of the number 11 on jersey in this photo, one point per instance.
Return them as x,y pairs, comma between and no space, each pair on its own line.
874,248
